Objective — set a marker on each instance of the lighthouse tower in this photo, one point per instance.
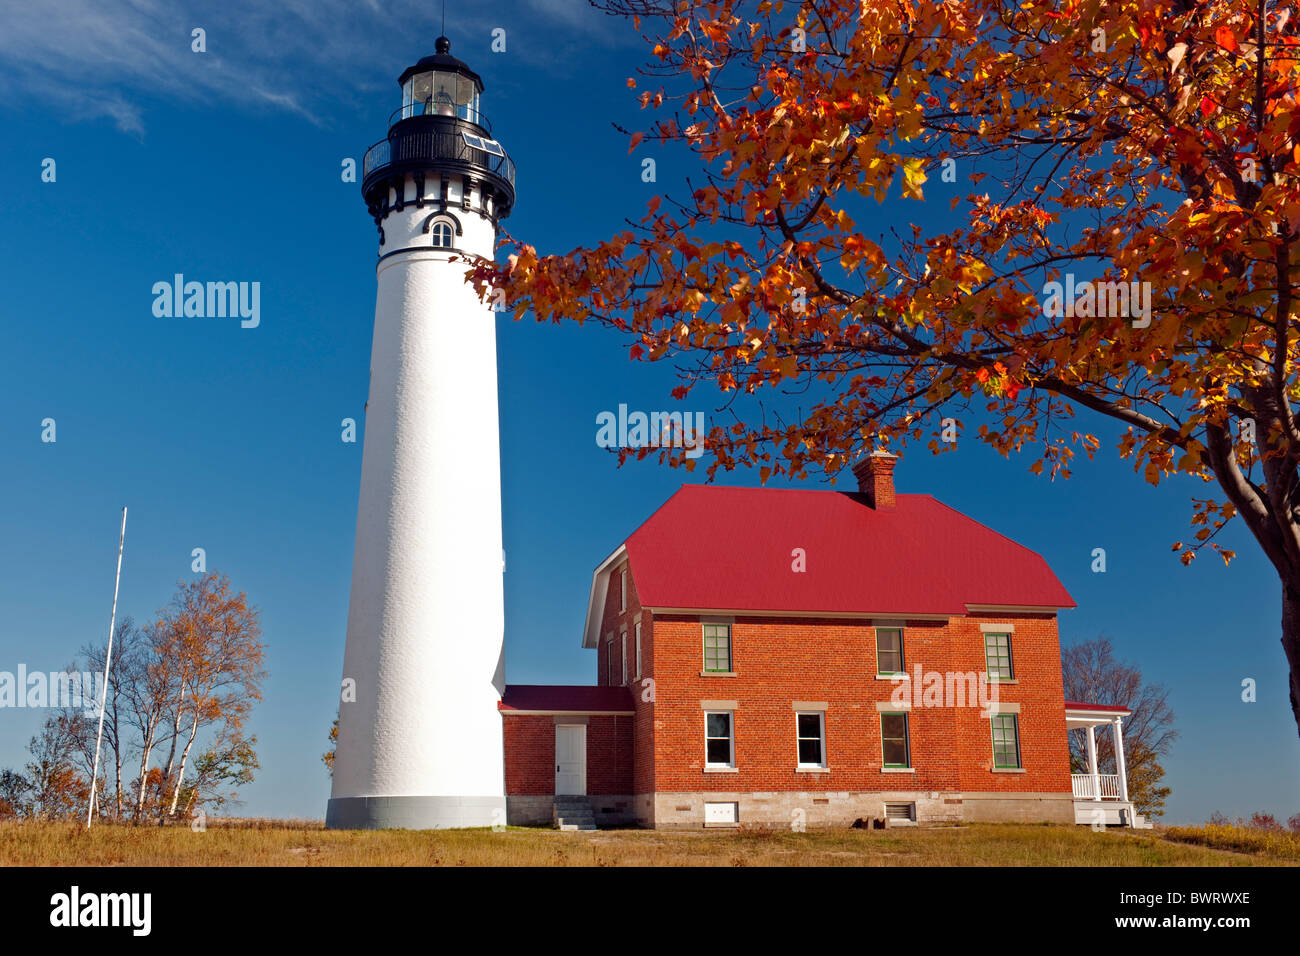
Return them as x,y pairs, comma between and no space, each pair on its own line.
419,743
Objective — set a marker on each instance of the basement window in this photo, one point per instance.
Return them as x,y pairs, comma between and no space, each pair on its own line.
900,812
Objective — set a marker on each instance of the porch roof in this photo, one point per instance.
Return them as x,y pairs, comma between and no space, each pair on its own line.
1080,713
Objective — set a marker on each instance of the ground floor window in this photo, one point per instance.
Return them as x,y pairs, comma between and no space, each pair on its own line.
719,739
893,740
811,730
1006,742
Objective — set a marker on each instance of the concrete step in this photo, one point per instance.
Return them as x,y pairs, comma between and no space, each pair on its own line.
573,813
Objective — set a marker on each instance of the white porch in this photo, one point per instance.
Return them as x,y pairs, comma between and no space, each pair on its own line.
1101,798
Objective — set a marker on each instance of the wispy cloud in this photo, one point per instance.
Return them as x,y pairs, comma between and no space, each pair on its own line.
92,59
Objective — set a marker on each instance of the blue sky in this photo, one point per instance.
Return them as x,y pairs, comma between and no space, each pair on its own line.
226,166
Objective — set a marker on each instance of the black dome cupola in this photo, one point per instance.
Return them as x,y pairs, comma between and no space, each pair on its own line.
439,129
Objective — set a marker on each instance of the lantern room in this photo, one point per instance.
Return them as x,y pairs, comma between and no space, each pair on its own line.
441,85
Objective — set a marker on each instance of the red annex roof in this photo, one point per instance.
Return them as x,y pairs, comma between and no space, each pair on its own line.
1107,708
711,547
563,698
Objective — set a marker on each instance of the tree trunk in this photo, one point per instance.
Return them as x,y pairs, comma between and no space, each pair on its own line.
180,777
176,732
146,751
1291,641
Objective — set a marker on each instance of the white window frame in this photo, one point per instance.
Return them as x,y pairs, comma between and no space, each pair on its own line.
638,650
609,659
622,653
731,740
451,233
622,584
821,728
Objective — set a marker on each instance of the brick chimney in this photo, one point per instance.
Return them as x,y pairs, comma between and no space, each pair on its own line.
875,475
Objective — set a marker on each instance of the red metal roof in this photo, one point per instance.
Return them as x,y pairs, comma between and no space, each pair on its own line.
718,548
1080,705
565,698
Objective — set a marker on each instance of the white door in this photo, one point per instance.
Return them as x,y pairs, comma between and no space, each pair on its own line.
571,759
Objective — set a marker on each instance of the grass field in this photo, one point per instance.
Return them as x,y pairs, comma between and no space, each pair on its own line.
277,843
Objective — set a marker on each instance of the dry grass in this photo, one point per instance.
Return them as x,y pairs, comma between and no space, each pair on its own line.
288,843
1280,844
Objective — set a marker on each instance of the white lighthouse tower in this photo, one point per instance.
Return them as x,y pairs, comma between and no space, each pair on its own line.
420,746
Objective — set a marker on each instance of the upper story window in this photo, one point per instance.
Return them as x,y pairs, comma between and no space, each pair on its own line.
889,650
811,731
997,653
622,583
638,650
609,659
443,235
717,648
622,653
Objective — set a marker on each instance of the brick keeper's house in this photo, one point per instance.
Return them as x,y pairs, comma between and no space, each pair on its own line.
786,657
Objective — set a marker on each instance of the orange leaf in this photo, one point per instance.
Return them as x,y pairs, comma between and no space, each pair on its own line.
636,138
1226,38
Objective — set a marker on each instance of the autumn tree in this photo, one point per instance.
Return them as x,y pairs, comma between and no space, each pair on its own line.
1112,259
126,652
150,684
220,770
15,790
58,787
327,758
210,641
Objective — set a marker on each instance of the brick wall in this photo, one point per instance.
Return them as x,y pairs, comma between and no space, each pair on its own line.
615,620
530,753
778,661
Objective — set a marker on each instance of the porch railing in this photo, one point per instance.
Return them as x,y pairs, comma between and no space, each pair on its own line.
1086,789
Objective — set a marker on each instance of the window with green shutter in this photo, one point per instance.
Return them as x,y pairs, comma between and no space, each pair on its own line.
997,654
1006,742
717,648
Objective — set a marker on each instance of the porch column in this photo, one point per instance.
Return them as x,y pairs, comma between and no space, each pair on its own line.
1118,734
1092,763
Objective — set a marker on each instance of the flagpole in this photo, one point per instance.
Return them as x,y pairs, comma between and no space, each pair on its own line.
108,656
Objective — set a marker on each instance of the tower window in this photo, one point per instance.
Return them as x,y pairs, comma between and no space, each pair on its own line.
442,235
